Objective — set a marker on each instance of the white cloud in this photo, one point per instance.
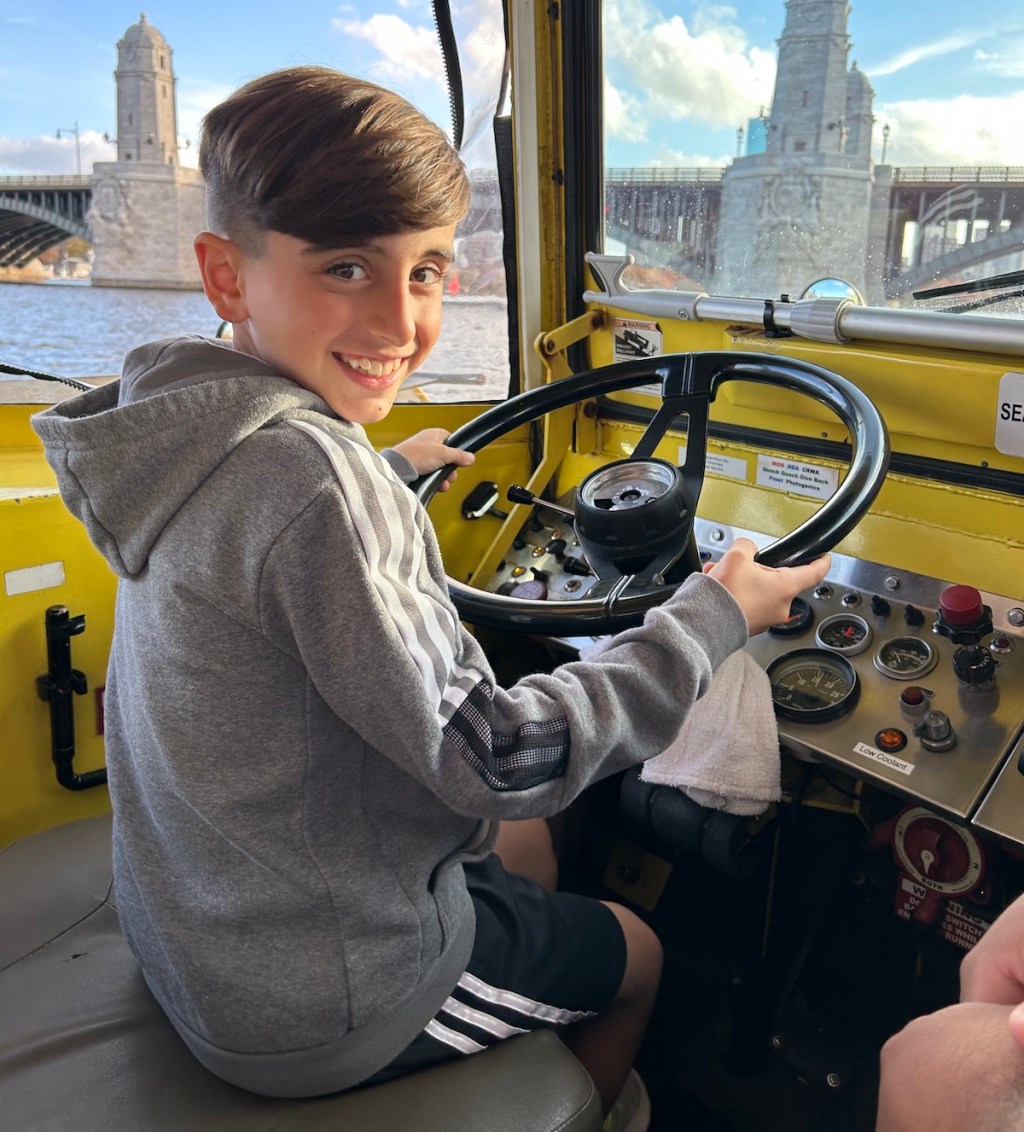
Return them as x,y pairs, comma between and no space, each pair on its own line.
708,73
407,50
623,114
410,62
194,101
1005,64
979,131
50,156
911,55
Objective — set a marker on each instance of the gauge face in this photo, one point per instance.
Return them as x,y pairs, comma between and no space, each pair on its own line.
904,658
812,686
936,853
800,616
844,632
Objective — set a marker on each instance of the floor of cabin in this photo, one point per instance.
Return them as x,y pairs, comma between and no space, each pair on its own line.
831,973
848,970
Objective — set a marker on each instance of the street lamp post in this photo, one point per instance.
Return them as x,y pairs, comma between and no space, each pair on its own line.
886,131
78,145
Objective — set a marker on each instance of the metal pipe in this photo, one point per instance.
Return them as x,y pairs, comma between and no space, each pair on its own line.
829,320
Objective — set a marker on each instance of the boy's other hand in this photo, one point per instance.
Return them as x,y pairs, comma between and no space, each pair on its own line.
764,593
427,452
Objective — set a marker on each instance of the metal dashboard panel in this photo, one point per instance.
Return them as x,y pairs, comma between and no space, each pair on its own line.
976,780
986,723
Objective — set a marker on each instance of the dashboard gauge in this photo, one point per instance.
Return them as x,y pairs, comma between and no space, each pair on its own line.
844,632
800,616
812,686
938,854
905,658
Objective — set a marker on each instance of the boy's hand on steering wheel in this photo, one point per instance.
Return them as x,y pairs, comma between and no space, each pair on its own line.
427,452
764,593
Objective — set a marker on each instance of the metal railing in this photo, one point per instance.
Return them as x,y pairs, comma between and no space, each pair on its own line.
958,174
65,181
665,174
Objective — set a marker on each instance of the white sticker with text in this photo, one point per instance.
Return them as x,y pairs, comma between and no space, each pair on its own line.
884,758
729,466
791,475
1010,415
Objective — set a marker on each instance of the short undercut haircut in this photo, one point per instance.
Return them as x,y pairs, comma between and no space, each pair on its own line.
327,158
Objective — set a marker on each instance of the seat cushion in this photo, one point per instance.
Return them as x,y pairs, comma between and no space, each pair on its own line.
83,1043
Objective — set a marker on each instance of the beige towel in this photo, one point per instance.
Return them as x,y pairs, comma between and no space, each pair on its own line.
726,755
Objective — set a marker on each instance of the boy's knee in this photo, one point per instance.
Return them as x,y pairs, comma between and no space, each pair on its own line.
644,955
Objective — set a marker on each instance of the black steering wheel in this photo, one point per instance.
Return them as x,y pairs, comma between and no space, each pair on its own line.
627,586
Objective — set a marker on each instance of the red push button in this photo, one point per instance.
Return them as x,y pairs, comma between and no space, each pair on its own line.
961,605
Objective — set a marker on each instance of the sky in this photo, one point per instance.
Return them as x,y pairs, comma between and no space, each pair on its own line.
682,75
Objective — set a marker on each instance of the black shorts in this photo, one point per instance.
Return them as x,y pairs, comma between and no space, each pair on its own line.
539,959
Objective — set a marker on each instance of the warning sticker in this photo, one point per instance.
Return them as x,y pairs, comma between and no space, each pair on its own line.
1009,437
791,475
729,466
636,338
960,927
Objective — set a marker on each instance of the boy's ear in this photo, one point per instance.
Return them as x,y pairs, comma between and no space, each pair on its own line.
219,266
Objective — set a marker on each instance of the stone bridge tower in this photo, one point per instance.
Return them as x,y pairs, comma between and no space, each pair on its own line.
146,208
801,210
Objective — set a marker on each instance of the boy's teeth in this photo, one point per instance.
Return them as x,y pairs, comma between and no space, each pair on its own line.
374,369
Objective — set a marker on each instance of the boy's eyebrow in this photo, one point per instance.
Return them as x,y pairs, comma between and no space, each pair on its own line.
370,246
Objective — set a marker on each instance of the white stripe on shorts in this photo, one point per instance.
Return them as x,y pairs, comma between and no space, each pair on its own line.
520,1003
451,1037
496,1026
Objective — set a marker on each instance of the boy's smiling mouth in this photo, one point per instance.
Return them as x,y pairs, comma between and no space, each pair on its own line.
371,372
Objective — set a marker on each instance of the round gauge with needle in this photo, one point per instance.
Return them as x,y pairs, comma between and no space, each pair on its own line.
812,686
905,658
844,632
800,616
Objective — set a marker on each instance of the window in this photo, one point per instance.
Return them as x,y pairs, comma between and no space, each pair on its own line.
753,149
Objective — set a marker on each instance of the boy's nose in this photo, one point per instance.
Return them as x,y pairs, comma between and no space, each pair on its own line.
392,316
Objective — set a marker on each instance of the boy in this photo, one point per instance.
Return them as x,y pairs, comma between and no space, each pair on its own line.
307,752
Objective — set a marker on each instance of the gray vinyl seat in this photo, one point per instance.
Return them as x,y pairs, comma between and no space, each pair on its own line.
83,1044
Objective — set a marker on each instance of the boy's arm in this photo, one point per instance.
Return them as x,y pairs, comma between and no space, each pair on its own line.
361,597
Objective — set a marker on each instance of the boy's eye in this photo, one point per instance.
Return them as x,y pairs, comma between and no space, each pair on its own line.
428,274
347,271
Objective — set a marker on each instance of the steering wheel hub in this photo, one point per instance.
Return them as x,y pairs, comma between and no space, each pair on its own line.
632,517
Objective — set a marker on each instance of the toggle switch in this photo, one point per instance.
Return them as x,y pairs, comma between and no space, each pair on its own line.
935,731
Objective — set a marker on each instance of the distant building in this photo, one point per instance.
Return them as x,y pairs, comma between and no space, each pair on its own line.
799,207
757,135
146,208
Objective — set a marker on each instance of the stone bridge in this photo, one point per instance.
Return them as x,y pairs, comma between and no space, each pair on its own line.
936,220
940,219
38,212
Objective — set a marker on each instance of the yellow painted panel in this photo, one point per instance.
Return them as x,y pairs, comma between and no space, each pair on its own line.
38,531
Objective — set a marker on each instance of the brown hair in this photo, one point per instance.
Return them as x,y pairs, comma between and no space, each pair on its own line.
328,158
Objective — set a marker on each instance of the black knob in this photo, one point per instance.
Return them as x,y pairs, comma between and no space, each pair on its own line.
913,616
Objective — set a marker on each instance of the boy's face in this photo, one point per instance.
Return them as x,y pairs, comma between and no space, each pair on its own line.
348,324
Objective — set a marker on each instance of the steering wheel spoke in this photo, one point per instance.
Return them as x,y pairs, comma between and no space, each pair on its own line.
634,517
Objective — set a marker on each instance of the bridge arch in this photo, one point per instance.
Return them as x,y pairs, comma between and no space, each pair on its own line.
38,213
932,270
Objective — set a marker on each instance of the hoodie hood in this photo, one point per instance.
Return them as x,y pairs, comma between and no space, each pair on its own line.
128,455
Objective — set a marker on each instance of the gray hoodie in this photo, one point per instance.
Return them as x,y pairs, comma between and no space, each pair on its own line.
303,742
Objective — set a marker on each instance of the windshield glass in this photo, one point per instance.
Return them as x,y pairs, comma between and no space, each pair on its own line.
868,150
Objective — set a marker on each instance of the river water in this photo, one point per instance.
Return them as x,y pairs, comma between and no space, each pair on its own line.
75,330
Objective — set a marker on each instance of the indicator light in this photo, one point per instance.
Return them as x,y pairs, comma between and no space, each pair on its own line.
891,739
